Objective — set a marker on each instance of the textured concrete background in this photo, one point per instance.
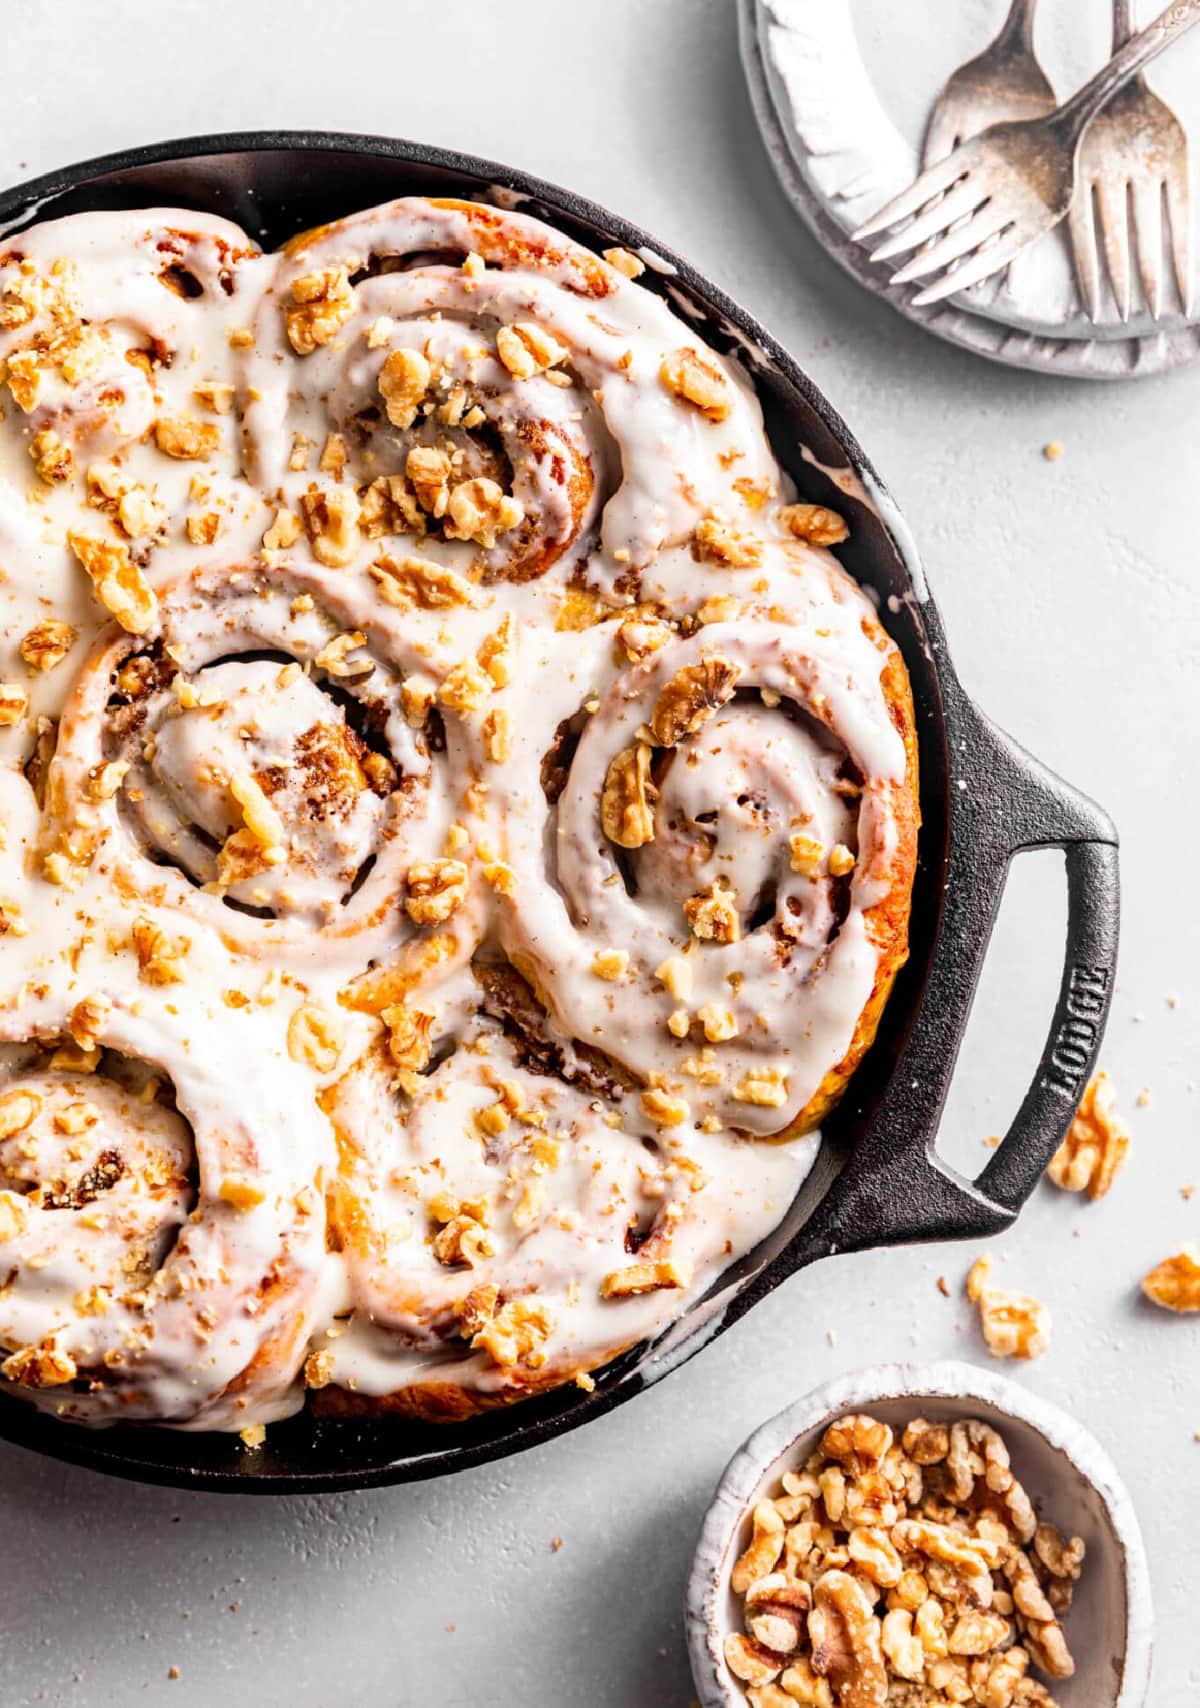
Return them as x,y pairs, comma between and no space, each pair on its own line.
1072,599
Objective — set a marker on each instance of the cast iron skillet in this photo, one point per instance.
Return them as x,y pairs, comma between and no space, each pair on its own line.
878,1180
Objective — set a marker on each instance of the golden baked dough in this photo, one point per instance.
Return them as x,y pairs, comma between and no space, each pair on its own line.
460,818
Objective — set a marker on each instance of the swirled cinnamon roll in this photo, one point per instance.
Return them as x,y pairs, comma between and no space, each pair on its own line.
458,816
163,1259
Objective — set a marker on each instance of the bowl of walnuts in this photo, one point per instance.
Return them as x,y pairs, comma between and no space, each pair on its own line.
919,1536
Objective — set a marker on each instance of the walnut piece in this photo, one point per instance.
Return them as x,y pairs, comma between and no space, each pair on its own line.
315,1038
186,440
47,644
435,889
1015,1325
330,519
403,385
1095,1146
321,305
525,349
627,800
480,510
1175,1282
713,915
407,581
118,582
718,541
695,379
691,698
814,523
640,1278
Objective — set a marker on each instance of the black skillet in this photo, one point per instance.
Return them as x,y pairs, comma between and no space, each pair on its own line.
878,1180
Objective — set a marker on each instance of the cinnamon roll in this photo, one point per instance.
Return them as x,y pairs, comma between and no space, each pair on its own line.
459,816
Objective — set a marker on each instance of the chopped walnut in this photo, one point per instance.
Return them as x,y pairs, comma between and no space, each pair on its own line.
160,960
696,379
408,581
14,703
627,799
18,1109
284,531
675,973
610,964
428,472
330,519
118,582
52,458
805,854
625,262
640,1278
663,1108
691,697
515,1334
466,687
497,736
462,1237
718,541
388,507
48,644
203,527
336,660
403,384
934,1605
435,889
526,350
1095,1145
216,395
409,1042
186,440
480,510
846,1641
321,305
713,915
315,1038
318,1368
814,523
241,1194
1015,1325
44,1366
1175,1282
87,1021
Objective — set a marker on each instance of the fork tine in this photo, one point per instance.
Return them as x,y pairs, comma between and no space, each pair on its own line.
964,198
1112,205
1146,199
1179,214
1083,245
912,200
941,134
983,223
978,266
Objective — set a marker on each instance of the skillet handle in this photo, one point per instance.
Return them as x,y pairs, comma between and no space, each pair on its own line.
896,1190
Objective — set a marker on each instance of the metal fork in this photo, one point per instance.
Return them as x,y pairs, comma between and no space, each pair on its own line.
1133,154
1014,179
1005,81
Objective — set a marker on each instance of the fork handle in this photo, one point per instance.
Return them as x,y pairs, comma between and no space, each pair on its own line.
1074,115
1018,26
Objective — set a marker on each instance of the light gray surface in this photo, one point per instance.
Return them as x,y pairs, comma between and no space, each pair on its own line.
1072,598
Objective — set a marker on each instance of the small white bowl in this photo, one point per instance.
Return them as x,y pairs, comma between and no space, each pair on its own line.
1068,1475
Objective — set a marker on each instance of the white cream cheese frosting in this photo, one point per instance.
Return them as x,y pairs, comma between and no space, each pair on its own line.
457,815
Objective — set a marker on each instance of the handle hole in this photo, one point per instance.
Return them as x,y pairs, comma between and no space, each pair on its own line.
1013,1001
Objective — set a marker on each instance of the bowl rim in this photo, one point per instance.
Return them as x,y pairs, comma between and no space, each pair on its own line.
946,1379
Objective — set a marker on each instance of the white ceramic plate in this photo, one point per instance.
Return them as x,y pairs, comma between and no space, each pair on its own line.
1066,1472
839,155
